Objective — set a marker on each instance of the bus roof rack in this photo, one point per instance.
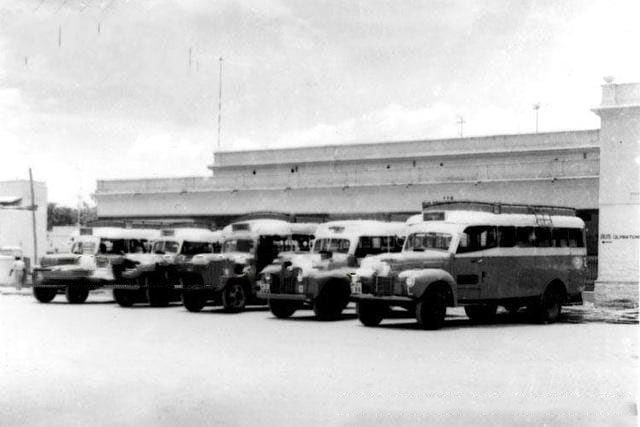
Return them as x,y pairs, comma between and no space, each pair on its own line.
264,215
498,208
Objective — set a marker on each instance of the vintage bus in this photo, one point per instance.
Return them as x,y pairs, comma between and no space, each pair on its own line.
229,278
89,263
321,279
481,256
152,277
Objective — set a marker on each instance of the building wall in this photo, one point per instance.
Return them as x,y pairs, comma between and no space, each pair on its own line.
579,193
619,196
560,168
16,226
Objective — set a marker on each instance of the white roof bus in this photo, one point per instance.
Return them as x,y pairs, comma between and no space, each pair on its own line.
229,278
320,279
88,266
480,255
152,277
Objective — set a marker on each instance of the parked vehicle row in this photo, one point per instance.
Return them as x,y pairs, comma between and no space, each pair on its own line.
321,279
473,254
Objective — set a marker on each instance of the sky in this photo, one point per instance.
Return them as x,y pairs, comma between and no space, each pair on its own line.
107,89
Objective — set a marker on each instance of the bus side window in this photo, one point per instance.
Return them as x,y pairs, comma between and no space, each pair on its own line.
543,237
507,237
575,238
525,237
478,238
560,237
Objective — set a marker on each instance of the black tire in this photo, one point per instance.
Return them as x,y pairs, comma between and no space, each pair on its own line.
432,309
76,295
328,305
156,295
481,313
124,297
234,297
194,301
548,309
283,309
44,295
370,313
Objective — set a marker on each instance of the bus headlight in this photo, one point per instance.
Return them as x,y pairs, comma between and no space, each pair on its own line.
410,282
226,271
299,276
266,278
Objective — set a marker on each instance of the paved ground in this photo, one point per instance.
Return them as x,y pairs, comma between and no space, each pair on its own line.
101,364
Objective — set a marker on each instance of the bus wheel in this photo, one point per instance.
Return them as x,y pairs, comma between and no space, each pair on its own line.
158,296
76,295
193,301
431,310
124,297
44,294
328,305
481,313
282,309
549,308
234,297
370,313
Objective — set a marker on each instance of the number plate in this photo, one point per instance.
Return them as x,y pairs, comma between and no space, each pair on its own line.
264,288
356,288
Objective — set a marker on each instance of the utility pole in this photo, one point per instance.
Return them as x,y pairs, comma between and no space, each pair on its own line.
219,103
33,220
78,211
461,122
536,107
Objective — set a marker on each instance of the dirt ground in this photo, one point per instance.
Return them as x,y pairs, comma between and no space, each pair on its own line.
98,363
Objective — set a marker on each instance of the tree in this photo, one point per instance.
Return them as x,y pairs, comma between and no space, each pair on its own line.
64,215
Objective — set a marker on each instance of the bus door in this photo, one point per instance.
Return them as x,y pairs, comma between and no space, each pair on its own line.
475,266
467,276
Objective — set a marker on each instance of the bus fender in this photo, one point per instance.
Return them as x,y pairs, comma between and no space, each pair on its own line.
425,279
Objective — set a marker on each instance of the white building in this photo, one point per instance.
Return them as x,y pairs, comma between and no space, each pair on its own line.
16,228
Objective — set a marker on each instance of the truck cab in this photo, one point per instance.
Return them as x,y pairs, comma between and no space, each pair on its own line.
229,278
320,279
89,264
153,276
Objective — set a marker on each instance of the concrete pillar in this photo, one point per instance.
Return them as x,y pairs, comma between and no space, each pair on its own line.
619,196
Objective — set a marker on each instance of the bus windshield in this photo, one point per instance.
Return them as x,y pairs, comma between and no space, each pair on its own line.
195,248
331,245
83,247
428,240
166,246
238,245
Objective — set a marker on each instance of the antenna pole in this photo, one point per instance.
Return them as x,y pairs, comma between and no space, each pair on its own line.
219,103
461,122
536,107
